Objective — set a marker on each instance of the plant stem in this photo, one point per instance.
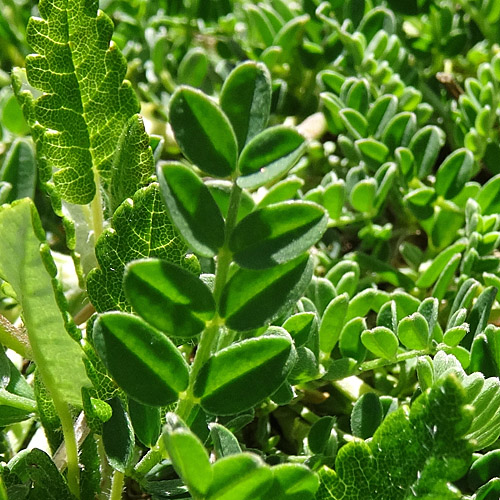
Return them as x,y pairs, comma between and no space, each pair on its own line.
210,334
117,486
97,209
378,363
15,401
64,414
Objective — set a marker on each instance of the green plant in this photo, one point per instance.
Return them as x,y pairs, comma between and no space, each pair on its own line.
288,289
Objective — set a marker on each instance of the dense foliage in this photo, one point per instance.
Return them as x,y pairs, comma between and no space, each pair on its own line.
250,250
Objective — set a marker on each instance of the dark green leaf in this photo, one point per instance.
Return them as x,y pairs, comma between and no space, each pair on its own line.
168,297
454,172
366,415
332,322
203,132
143,361
242,375
301,327
146,421
251,298
277,233
118,436
246,100
192,208
322,438
425,146
269,155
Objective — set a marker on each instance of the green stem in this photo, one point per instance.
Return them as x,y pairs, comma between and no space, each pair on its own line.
378,363
210,334
73,475
117,486
97,210
15,401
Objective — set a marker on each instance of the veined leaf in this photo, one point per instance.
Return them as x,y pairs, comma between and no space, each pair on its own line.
277,233
251,298
203,132
85,103
168,297
140,228
192,208
242,375
57,355
143,361
411,453
246,100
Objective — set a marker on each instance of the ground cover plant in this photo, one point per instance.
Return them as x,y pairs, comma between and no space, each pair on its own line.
250,250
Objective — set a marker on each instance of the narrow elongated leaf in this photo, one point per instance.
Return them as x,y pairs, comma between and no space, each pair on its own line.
192,208
57,355
242,375
246,100
332,322
143,361
203,132
251,298
168,297
85,104
277,233
454,172
269,155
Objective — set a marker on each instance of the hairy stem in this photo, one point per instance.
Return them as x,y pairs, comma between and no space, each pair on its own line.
15,401
378,363
117,486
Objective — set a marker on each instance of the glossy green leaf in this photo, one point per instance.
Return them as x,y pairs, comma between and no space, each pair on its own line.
301,327
350,339
425,146
354,122
246,100
192,208
372,151
366,415
269,155
332,322
413,331
188,455
480,313
454,172
483,469
293,482
381,341
118,436
168,297
379,115
277,233
242,375
240,477
284,190
146,421
203,132
400,130
488,198
57,355
143,361
251,298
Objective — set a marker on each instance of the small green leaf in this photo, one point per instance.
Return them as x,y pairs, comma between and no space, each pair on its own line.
372,151
362,197
193,68
246,100
354,122
366,415
269,155
118,436
425,146
332,322
322,438
203,132
277,233
399,131
143,361
242,375
189,456
454,335
293,482
488,198
381,341
350,340
168,297
251,298
454,172
225,442
483,469
240,477
379,115
413,331
192,208
301,327
146,421
333,199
